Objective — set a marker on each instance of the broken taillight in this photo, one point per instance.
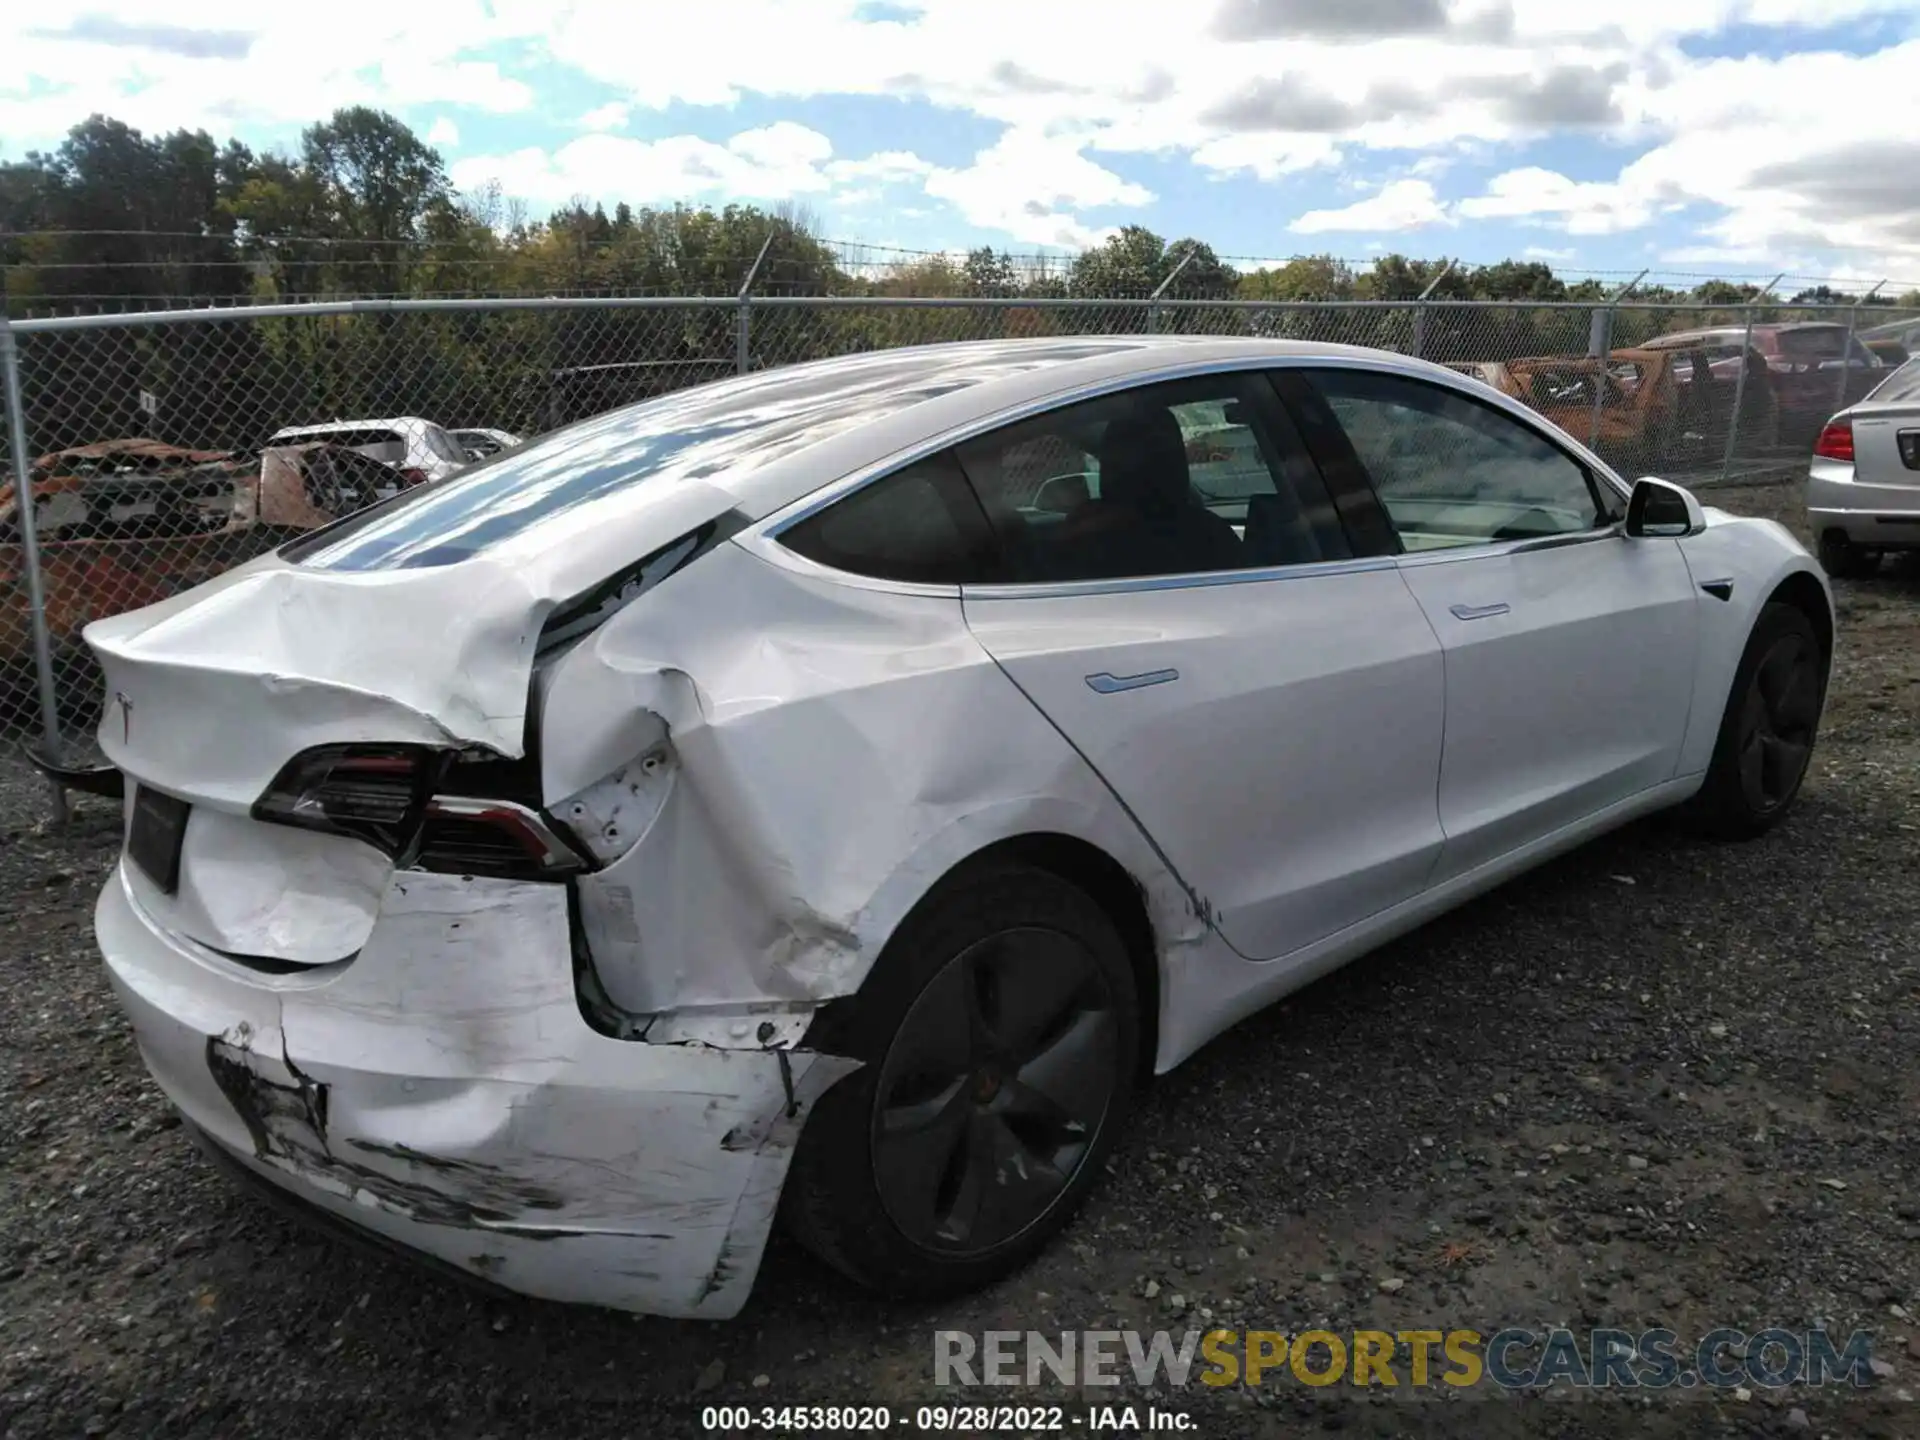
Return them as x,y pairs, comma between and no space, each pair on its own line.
375,793
1836,441
389,797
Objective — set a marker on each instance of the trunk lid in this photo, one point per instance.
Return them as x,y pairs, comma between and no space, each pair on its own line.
1886,444
210,695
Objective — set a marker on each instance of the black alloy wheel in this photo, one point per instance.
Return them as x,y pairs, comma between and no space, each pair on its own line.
993,1089
1000,1037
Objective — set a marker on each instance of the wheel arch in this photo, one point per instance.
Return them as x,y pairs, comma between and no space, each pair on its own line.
1078,862
1807,595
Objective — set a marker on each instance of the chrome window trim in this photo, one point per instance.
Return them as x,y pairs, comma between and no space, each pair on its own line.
1193,580
1481,549
761,538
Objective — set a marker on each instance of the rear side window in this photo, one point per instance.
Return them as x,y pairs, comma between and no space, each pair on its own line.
1186,477
920,525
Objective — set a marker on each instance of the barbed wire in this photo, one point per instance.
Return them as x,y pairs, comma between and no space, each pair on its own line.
851,255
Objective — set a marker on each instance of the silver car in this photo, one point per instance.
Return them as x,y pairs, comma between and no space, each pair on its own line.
828,792
1863,486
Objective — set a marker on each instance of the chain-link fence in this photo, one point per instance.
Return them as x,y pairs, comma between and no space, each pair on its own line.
164,448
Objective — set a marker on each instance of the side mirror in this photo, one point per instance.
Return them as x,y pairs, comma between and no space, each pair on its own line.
1660,508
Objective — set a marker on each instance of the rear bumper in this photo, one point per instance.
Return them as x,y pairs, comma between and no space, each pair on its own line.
441,1092
1880,515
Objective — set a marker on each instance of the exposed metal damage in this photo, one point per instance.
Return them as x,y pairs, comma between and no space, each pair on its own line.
580,1162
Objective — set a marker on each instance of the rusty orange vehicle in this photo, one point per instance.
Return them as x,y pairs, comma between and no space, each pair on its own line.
125,523
1639,410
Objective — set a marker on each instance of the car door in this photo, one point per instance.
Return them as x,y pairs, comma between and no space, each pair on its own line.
1228,645
1569,648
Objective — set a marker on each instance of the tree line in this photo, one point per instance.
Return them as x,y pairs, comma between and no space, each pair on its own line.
115,219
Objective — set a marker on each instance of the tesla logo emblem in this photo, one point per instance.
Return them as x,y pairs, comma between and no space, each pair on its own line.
126,716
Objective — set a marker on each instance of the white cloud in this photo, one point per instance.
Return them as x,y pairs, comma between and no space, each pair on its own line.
1548,253
227,66
1401,205
610,116
1579,207
887,167
1029,185
443,132
1768,148
774,162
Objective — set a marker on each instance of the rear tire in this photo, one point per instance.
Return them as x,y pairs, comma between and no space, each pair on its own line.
1767,733
1001,1036
1842,559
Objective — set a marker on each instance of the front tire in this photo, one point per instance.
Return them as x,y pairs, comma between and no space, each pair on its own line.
1001,1036
1767,732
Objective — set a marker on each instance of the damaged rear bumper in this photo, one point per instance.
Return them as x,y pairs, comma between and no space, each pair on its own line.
442,1092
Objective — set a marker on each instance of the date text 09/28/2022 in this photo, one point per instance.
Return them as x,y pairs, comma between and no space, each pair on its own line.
967,1419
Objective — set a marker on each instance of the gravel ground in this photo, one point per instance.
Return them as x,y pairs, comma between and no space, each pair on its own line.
1659,1082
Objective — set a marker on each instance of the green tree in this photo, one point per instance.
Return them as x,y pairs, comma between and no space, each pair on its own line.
1308,277
1129,263
1516,280
985,273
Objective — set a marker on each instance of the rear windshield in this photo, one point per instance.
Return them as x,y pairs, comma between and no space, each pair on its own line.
1819,342
388,446
1902,385
442,445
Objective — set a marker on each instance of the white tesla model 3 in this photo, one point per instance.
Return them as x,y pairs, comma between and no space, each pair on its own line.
832,791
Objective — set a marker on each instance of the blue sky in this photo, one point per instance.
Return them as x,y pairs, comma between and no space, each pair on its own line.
1690,136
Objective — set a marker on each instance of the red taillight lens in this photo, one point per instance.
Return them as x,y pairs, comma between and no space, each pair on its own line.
414,475
375,793
385,795
1836,441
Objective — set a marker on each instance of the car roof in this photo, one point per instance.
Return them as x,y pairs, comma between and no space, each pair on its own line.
1891,329
397,422
759,442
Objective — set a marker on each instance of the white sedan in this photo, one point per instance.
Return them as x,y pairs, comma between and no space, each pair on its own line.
833,791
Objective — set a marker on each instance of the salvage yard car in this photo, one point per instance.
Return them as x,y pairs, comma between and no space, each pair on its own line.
480,444
1812,366
124,523
1637,416
780,798
418,449
1863,486
121,523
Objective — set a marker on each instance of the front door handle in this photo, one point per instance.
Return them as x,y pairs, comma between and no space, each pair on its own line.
1105,684
1480,612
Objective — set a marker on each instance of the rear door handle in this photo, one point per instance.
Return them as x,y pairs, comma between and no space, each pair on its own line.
1480,612
1105,684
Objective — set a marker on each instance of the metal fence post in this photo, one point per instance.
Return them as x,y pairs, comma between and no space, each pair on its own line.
1846,356
1739,393
1601,343
742,341
1153,300
30,553
1419,346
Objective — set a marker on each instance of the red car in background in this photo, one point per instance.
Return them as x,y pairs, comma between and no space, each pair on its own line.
1804,360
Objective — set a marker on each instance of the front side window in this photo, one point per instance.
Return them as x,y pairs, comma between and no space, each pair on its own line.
1186,477
1452,471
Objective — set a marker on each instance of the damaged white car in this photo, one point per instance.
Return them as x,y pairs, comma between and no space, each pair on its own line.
832,791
